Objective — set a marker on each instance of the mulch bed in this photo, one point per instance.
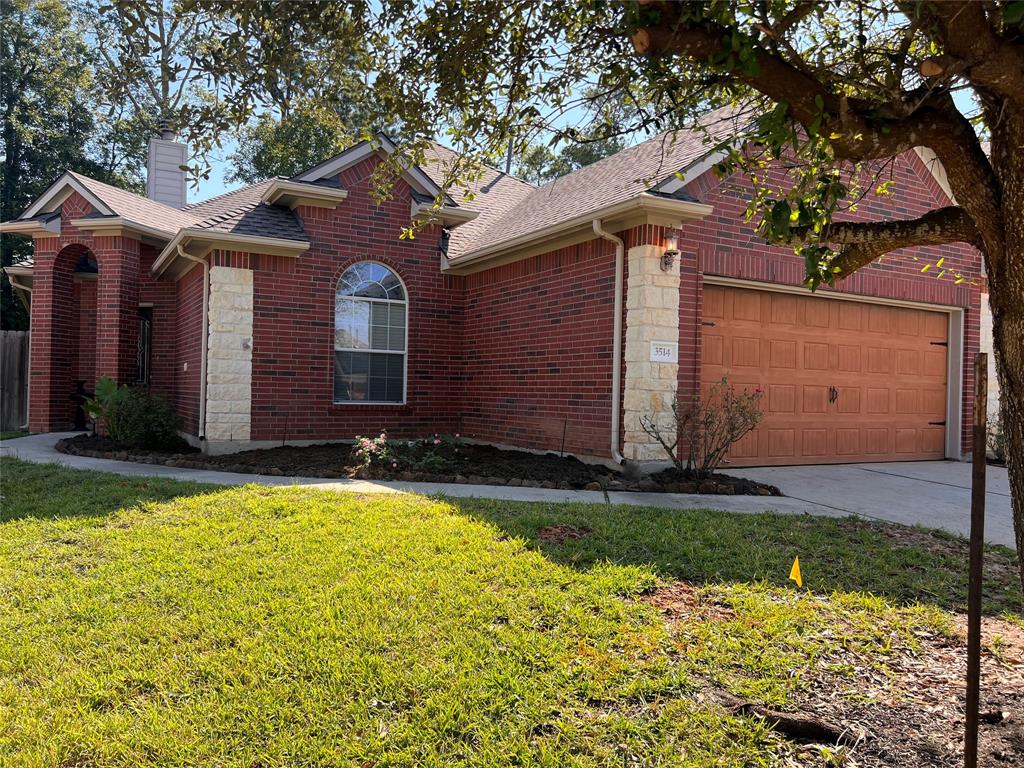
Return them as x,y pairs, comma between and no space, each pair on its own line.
911,713
468,463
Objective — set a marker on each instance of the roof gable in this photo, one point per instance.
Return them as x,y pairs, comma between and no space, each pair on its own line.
381,145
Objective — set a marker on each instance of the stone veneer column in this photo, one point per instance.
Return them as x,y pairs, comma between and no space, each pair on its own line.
229,356
652,314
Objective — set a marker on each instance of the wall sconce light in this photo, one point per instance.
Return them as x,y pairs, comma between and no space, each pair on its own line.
668,258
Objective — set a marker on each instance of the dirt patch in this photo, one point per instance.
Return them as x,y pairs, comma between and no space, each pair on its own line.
682,601
556,534
450,462
905,708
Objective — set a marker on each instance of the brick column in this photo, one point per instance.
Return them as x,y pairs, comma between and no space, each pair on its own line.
652,315
117,308
50,364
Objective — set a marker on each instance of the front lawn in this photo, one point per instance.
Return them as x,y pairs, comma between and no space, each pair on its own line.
151,622
11,435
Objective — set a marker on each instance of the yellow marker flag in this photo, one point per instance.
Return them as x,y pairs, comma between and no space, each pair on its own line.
794,572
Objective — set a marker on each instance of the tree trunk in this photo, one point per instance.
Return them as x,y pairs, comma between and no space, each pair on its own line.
1008,342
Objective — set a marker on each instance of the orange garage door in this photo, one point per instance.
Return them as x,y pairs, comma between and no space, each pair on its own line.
843,380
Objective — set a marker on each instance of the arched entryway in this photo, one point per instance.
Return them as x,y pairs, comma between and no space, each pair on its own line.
64,353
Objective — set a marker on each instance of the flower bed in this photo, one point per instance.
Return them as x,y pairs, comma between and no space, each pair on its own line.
448,460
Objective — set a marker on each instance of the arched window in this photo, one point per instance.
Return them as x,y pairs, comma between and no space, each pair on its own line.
370,325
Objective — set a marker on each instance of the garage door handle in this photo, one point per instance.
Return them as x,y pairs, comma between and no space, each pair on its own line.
833,394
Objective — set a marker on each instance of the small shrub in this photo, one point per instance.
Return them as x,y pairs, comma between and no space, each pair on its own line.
134,416
996,440
141,419
382,455
101,405
699,434
373,452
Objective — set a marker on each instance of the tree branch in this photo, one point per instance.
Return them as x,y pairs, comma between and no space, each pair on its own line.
983,56
859,130
865,241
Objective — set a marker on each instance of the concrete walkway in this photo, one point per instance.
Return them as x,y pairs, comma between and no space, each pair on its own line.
810,490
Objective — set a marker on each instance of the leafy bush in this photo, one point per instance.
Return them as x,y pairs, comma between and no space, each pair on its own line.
378,455
135,417
996,439
373,452
699,434
100,406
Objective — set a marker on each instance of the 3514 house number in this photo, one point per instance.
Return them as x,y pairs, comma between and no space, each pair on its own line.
664,352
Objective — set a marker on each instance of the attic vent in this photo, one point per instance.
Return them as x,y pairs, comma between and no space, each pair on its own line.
165,171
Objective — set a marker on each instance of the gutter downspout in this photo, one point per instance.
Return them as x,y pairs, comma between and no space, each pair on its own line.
28,375
206,338
616,337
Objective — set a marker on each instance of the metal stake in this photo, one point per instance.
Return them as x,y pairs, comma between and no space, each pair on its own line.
977,553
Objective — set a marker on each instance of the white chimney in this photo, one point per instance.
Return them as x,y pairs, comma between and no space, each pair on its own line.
165,170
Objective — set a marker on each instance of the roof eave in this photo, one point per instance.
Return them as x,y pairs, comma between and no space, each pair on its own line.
115,225
59,191
202,241
31,228
447,215
295,193
644,208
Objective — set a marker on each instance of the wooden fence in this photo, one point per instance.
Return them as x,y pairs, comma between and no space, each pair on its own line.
13,379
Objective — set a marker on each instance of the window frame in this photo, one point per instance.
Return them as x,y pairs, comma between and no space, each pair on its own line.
404,353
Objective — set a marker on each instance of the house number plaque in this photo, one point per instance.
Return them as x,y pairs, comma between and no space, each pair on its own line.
664,352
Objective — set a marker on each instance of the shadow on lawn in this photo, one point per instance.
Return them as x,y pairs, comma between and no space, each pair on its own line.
47,491
848,554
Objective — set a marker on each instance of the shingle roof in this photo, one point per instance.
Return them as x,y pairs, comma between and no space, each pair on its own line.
242,212
239,212
614,179
139,209
508,208
494,193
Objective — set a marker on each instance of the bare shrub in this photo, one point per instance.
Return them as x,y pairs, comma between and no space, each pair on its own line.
699,433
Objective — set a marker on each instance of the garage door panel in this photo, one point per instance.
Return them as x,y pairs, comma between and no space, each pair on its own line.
935,364
782,353
814,443
843,380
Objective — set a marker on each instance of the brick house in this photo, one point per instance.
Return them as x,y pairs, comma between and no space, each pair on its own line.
546,318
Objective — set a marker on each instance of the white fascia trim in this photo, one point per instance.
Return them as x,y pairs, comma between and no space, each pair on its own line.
296,193
58,192
681,210
272,245
121,223
451,216
695,170
18,270
30,228
419,180
954,341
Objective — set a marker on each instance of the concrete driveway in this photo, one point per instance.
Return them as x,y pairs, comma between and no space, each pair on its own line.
936,494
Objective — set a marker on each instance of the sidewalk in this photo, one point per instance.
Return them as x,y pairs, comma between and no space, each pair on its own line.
39,449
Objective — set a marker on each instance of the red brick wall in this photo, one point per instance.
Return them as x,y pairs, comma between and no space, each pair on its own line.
727,245
538,351
293,323
187,346
85,344
162,295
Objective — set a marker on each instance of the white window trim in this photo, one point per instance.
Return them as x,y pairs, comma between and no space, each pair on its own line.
405,353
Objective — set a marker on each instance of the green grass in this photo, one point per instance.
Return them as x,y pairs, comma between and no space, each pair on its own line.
12,435
162,623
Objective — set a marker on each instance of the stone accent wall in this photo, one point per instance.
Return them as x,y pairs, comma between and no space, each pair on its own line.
987,345
229,356
652,314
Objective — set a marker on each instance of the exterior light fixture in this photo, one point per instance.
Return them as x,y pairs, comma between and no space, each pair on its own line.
668,258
